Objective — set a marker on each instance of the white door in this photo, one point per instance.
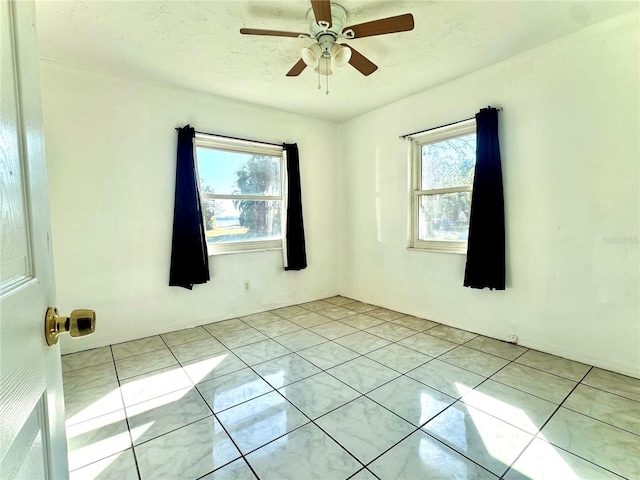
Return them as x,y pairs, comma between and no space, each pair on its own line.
32,438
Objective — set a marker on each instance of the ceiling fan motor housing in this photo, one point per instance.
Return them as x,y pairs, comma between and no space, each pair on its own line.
326,37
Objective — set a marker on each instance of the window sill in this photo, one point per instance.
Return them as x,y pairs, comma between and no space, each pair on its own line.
437,247
244,247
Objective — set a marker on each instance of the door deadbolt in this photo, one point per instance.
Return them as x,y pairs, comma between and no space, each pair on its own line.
80,323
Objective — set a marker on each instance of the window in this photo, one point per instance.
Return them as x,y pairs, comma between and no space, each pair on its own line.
241,185
443,166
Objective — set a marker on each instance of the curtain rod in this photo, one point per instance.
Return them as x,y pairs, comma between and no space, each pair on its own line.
237,138
440,126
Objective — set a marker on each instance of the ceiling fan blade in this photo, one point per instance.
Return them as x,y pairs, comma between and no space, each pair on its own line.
297,69
360,62
401,23
322,10
271,33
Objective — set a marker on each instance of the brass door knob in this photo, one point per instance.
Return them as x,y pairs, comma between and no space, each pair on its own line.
80,323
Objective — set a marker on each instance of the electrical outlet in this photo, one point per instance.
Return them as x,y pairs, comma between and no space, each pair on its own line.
511,338
247,285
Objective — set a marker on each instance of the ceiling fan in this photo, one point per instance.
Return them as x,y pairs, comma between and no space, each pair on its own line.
327,26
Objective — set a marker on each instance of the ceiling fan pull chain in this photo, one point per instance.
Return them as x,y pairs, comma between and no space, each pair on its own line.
319,86
327,64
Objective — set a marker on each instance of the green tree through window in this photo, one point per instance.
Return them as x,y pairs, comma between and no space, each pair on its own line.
260,175
442,177
448,164
241,185
211,208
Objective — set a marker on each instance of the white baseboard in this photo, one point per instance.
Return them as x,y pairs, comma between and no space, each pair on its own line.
89,342
71,345
500,335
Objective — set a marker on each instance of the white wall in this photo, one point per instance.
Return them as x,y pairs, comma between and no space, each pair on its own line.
111,150
570,155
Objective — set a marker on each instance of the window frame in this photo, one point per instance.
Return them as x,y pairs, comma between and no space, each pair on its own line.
446,132
214,142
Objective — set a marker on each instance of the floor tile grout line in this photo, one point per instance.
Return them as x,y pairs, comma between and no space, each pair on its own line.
544,424
418,429
155,368
173,430
406,420
329,321
159,335
391,342
527,350
309,329
362,355
570,453
117,454
546,371
579,413
356,398
573,454
456,400
324,370
490,377
72,392
283,318
247,366
133,447
300,426
221,425
437,358
326,413
86,366
607,391
227,464
459,453
520,390
109,413
188,341
361,470
302,327
460,399
296,352
312,421
126,416
600,420
564,450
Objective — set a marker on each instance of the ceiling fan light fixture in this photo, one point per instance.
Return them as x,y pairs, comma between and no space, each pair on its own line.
311,55
340,54
324,67
309,58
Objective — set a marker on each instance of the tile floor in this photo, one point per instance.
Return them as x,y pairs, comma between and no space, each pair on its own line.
337,389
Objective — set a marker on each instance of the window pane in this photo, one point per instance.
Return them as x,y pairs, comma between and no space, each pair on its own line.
241,220
445,218
232,173
449,163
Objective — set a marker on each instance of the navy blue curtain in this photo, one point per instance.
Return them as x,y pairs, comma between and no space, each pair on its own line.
189,258
296,253
485,251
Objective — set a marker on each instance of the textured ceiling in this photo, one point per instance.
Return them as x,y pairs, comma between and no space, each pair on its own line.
197,45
